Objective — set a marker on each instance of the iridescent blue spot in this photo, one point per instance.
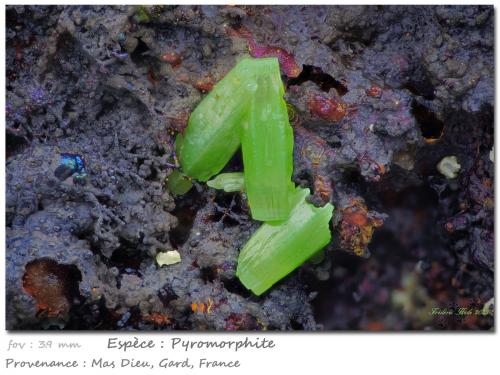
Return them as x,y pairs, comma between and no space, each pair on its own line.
70,164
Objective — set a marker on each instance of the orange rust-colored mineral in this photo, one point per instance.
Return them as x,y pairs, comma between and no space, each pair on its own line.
48,283
157,319
205,84
322,187
326,108
356,227
173,58
287,61
374,91
203,307
194,307
179,122
375,326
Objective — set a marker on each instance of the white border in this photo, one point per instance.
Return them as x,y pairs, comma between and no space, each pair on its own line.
329,352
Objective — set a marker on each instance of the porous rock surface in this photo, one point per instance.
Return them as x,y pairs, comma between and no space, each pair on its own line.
378,95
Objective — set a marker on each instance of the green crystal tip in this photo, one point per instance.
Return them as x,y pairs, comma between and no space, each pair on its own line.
276,249
213,132
229,182
179,183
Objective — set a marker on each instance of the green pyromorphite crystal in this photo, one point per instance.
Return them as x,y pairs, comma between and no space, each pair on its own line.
229,182
276,249
247,108
213,132
267,147
178,183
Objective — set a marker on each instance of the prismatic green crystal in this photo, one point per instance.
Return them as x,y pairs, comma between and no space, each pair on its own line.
213,132
229,182
276,249
178,183
247,108
267,147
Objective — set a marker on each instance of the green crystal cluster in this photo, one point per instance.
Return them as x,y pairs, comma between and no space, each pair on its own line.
246,109
277,248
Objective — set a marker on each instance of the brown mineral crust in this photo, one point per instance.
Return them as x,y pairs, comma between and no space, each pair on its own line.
357,226
49,284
